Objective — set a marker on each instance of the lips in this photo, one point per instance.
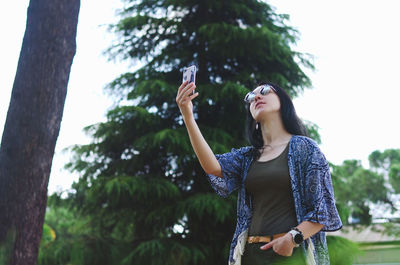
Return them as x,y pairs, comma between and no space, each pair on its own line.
258,104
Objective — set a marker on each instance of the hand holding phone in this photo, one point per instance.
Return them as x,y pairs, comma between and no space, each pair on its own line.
186,91
189,74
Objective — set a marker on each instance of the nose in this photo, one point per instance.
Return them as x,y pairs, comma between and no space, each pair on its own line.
257,97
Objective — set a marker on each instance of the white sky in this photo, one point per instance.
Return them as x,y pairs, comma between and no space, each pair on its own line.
355,93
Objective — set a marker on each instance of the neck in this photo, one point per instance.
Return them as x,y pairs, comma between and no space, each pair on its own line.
273,131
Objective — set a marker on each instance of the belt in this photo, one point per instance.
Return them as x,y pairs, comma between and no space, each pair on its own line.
264,239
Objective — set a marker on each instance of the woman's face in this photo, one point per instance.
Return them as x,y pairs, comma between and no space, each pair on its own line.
264,105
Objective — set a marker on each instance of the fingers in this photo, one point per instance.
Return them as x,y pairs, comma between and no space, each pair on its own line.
194,95
267,246
279,246
188,90
185,92
182,85
185,86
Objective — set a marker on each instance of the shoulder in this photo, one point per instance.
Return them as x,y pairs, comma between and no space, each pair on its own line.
237,153
301,141
245,151
307,149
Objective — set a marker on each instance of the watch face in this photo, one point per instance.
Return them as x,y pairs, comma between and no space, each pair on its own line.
298,238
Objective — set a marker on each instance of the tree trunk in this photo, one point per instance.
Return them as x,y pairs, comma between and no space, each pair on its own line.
32,126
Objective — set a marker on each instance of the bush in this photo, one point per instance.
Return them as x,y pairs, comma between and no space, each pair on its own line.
342,251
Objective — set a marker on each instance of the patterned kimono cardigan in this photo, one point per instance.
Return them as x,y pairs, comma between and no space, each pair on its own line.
312,191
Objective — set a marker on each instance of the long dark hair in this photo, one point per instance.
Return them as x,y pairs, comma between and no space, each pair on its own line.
291,121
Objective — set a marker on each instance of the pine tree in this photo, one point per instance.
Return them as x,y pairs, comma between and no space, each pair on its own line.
148,199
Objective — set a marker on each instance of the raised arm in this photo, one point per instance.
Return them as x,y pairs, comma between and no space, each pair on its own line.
203,151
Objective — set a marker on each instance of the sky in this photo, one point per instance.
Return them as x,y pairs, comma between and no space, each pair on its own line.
354,98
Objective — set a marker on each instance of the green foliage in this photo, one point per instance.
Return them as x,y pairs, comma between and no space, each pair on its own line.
355,188
48,235
76,241
66,237
312,131
388,161
384,159
394,177
166,251
142,197
393,228
342,251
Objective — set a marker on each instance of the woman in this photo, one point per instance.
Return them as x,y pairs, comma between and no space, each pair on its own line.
285,194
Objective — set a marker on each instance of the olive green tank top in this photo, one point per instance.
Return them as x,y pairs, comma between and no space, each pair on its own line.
273,204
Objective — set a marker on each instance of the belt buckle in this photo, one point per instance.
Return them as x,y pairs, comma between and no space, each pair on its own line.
254,239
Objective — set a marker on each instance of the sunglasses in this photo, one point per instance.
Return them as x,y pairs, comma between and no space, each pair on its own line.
264,90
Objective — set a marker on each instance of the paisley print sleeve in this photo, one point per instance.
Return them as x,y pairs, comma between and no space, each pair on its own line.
320,200
231,165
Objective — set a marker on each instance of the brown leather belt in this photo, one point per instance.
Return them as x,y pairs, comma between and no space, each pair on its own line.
264,239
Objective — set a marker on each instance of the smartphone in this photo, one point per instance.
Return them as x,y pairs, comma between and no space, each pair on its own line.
189,74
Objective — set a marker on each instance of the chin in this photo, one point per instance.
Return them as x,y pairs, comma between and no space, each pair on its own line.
263,113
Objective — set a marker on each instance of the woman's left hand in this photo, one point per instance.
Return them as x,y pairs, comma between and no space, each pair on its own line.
283,245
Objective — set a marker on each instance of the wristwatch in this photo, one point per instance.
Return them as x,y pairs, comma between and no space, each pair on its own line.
297,236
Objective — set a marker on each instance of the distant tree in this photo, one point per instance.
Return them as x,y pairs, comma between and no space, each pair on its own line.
140,183
394,177
32,126
356,188
387,162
